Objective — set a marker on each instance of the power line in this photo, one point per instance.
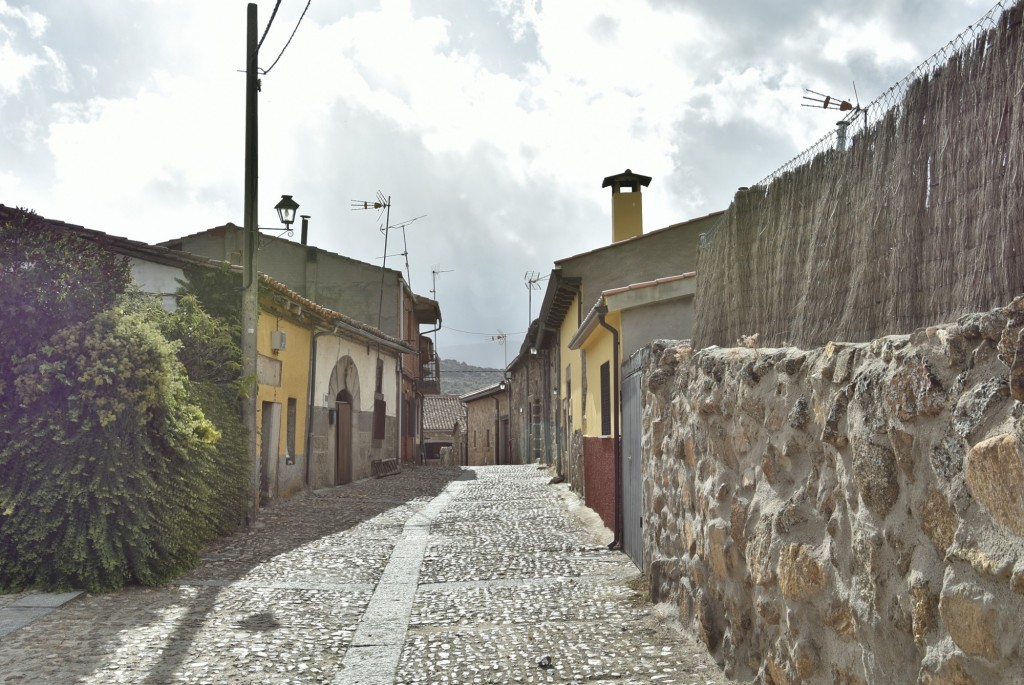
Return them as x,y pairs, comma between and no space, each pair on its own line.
449,328
267,30
308,3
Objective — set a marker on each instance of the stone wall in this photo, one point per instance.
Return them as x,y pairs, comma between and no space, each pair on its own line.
849,514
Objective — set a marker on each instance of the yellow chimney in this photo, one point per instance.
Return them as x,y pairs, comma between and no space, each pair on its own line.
627,207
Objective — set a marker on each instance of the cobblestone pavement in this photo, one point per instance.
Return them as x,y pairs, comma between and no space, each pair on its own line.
436,575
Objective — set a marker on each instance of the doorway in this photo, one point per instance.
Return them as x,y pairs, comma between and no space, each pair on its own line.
270,438
343,439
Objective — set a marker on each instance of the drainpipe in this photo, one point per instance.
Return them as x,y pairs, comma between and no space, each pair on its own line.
497,427
312,399
617,439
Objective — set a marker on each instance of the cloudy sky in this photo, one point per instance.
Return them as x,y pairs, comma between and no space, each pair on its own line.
493,120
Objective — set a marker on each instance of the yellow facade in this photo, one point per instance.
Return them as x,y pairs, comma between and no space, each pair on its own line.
599,349
283,395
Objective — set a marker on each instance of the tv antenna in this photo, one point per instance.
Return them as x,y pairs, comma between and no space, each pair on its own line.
382,203
503,339
433,293
823,101
437,270
532,281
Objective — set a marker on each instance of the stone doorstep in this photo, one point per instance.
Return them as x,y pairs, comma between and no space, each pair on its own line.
32,606
46,600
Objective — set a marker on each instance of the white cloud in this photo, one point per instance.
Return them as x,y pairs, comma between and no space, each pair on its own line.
34,21
871,36
15,69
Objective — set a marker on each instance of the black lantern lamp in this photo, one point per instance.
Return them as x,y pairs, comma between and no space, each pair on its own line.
286,211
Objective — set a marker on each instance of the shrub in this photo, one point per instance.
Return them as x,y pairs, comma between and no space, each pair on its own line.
110,474
50,278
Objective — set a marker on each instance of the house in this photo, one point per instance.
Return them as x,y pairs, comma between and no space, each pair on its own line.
444,421
371,294
487,426
600,306
320,373
353,368
529,376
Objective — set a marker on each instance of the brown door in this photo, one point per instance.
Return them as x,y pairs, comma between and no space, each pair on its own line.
343,441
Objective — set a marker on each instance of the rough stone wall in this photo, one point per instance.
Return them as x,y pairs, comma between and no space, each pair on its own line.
849,514
575,464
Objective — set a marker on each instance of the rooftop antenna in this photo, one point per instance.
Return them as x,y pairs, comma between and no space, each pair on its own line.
437,270
433,291
822,101
502,338
532,281
382,203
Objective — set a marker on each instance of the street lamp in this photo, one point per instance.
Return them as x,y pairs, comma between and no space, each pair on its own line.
286,210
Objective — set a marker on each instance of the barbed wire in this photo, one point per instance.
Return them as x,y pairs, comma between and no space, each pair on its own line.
862,118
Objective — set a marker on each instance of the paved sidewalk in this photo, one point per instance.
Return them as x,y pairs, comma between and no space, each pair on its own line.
436,575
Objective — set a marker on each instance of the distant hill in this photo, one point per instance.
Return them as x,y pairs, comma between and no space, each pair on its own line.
458,378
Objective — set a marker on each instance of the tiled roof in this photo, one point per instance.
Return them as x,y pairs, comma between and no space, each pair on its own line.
443,412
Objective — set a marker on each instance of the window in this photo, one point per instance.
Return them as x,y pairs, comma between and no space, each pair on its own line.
606,398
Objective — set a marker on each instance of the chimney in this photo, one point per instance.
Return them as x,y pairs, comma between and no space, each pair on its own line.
627,204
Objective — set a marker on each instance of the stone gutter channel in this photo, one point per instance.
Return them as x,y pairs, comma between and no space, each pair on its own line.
373,656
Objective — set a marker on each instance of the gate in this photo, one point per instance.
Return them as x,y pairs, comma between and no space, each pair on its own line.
632,485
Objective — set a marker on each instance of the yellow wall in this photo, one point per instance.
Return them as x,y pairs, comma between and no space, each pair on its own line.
599,349
571,359
294,361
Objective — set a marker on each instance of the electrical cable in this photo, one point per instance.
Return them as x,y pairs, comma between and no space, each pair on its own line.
308,3
267,30
449,328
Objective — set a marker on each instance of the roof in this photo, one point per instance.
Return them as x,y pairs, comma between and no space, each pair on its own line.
628,241
337,319
267,238
172,257
557,299
443,413
427,311
631,296
483,393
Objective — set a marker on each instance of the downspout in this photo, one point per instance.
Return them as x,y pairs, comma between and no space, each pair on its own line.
497,428
309,414
617,439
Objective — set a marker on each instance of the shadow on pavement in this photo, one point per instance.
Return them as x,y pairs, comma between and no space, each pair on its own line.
300,550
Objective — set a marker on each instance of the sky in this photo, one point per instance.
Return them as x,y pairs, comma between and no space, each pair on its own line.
489,123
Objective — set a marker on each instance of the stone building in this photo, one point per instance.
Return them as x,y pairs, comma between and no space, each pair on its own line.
487,426
444,421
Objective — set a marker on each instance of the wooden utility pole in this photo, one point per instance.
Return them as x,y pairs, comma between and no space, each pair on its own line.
250,293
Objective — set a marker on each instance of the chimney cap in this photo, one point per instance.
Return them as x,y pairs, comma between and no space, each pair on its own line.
627,178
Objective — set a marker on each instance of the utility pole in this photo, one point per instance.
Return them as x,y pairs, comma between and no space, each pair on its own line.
250,273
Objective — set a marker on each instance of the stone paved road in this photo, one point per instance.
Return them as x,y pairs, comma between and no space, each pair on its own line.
436,575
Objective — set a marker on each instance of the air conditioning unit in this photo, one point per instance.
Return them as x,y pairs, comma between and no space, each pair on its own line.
278,341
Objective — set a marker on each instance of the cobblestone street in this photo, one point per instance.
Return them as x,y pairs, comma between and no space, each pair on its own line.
436,575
